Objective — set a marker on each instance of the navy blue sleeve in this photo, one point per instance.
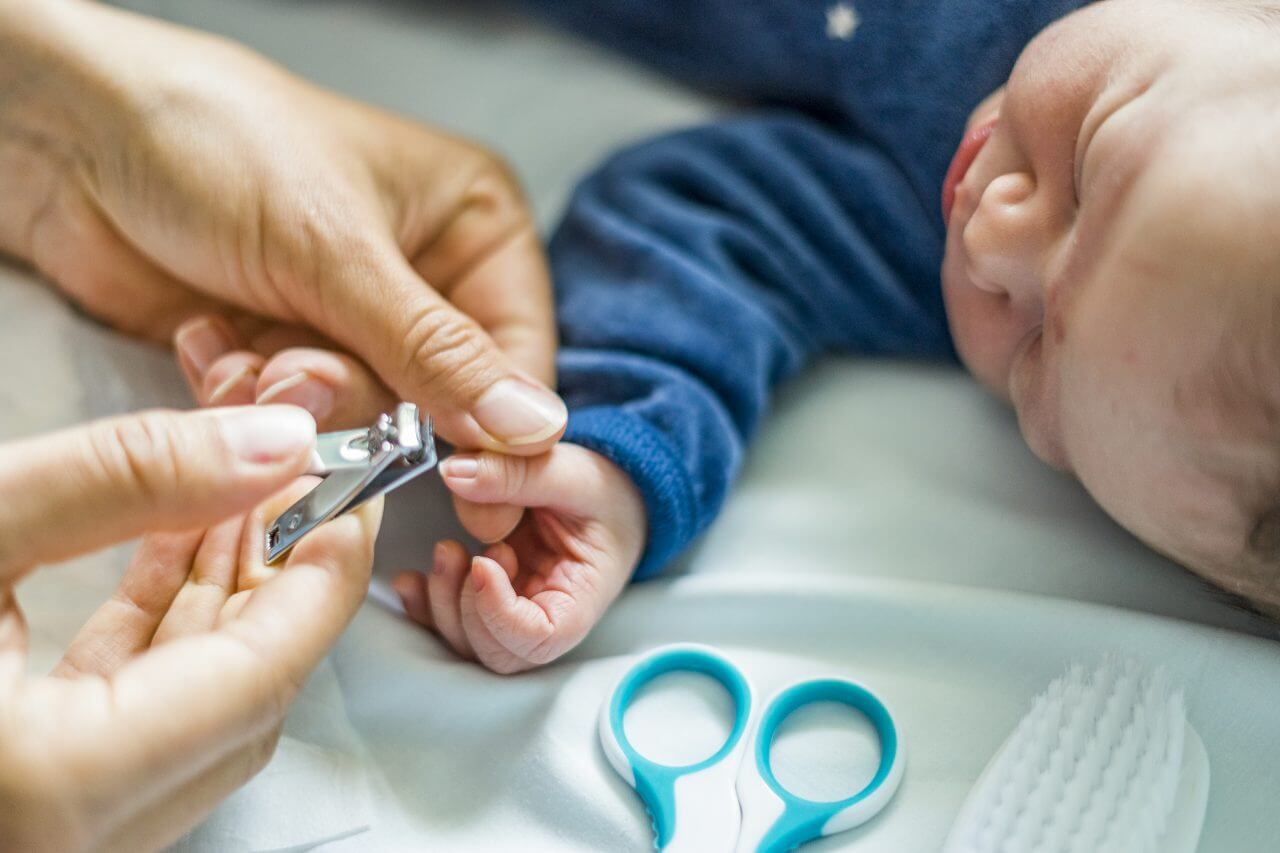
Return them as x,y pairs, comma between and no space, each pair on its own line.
697,272
904,78
762,51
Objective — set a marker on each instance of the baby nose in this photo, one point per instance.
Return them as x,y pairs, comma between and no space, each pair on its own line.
1005,237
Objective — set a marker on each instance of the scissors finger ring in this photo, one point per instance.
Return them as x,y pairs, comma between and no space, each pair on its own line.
732,800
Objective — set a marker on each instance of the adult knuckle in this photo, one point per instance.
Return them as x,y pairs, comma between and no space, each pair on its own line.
493,177
134,453
443,349
494,189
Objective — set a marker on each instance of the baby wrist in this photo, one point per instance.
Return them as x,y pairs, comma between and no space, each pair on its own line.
654,467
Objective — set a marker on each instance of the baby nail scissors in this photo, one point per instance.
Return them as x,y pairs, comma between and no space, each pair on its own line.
695,807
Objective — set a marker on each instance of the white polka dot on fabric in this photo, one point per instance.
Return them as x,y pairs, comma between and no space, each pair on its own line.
842,21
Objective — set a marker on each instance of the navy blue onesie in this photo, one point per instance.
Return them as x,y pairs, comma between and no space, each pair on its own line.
696,272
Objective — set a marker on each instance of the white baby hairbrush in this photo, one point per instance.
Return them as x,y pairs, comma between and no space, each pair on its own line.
1105,762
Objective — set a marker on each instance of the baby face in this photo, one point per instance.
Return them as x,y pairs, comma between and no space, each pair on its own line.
1113,269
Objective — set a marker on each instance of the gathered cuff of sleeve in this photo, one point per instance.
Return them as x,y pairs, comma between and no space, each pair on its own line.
647,457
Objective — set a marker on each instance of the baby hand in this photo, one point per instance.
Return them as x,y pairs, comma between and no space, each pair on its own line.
530,599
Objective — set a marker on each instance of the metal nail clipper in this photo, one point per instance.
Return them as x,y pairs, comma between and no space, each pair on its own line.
357,465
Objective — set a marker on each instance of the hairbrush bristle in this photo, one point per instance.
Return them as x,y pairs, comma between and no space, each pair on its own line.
1095,765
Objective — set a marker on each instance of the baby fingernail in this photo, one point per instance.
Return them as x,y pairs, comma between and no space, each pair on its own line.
266,434
517,412
200,343
437,560
460,467
304,390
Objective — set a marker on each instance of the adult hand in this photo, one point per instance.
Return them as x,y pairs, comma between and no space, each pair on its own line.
173,693
156,174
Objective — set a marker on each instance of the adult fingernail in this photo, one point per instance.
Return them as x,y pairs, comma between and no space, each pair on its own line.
200,342
302,389
246,375
437,559
516,412
460,467
267,434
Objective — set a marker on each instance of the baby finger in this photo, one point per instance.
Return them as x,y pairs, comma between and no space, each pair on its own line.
444,592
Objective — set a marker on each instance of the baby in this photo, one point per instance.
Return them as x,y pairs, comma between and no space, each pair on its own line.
1109,262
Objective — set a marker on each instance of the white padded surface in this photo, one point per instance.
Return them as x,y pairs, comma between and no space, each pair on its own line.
890,527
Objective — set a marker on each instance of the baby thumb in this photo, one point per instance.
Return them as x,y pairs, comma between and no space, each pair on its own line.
561,478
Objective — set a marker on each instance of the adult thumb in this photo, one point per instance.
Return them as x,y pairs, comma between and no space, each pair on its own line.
71,492
432,354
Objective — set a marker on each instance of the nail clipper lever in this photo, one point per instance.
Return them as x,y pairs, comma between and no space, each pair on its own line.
357,465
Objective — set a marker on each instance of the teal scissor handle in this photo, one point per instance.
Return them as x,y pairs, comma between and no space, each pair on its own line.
776,820
730,802
693,806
